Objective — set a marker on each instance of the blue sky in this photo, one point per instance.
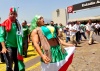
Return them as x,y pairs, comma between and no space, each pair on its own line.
28,8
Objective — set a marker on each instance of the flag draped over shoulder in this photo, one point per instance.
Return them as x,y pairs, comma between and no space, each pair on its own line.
61,65
7,24
20,50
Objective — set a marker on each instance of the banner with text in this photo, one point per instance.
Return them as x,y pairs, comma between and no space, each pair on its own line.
87,4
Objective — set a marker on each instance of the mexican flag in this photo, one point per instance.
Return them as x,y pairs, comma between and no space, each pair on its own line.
62,65
20,52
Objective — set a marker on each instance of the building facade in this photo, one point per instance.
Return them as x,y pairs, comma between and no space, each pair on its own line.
59,16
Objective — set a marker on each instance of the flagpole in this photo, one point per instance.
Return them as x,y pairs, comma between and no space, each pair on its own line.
17,12
0,19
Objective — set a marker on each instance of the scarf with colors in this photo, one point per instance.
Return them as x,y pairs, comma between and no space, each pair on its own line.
7,24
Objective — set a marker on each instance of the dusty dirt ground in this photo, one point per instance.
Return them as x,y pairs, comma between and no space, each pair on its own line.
86,57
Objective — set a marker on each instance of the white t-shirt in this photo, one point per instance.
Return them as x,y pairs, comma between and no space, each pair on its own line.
67,33
77,27
97,25
72,28
89,27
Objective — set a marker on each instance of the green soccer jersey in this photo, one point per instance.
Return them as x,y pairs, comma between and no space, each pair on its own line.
25,32
9,37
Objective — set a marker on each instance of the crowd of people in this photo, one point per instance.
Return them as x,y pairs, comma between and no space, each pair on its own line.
14,39
75,30
46,39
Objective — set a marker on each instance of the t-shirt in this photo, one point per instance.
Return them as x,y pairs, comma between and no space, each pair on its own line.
97,25
25,31
9,38
90,27
77,27
72,28
67,33
83,28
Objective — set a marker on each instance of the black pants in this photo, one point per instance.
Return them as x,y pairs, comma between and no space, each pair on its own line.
97,31
25,46
78,36
11,57
2,57
83,34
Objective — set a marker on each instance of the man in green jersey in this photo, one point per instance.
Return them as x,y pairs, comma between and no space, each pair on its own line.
25,37
11,43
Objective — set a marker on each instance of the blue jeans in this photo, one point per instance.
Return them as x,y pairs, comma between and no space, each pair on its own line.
67,39
11,57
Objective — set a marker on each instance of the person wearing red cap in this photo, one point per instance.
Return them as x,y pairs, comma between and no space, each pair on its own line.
11,41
